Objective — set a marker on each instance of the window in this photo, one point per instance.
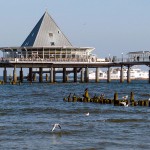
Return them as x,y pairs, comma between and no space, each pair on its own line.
52,43
50,34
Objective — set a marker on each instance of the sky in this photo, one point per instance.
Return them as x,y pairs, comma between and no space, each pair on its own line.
112,27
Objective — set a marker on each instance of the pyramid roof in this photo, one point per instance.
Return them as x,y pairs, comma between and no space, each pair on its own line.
46,33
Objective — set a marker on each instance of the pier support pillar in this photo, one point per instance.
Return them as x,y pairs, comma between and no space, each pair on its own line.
64,75
121,75
82,75
5,75
14,75
149,75
40,74
34,77
97,75
52,75
108,75
75,74
67,77
30,75
47,77
128,75
86,74
21,75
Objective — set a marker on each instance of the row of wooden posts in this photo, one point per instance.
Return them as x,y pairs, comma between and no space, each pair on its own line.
102,100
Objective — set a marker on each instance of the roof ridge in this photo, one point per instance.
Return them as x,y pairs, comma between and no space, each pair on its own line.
46,33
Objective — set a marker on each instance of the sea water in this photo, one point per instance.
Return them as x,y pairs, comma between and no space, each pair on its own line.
27,113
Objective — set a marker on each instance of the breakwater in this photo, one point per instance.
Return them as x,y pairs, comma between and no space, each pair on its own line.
102,99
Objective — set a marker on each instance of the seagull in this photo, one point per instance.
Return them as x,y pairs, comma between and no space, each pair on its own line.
87,114
125,97
149,99
56,125
124,104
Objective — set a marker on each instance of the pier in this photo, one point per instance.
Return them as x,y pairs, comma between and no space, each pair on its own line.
78,68
46,50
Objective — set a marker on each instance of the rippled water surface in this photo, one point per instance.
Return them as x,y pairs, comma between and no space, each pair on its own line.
27,113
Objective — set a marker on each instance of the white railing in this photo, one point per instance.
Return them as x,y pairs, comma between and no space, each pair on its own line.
29,60
5,60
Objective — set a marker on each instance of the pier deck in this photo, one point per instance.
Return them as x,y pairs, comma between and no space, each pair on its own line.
76,67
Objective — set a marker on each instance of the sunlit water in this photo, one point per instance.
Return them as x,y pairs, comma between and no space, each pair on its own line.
27,113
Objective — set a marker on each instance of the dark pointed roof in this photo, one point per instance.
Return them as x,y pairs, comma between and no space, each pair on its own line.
46,33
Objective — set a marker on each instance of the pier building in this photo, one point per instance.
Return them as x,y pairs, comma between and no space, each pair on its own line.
46,47
47,42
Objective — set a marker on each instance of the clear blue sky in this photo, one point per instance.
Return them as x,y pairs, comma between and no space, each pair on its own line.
111,26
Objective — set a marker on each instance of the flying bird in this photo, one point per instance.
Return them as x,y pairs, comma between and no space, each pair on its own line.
87,114
56,125
124,104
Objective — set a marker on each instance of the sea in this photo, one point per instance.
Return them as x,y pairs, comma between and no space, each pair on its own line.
28,112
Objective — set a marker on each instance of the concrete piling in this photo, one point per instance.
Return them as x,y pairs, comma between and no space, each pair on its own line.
75,74
34,76
121,75
52,75
149,76
108,75
128,74
86,75
97,75
14,75
40,75
5,75
21,75
82,75
47,77
64,75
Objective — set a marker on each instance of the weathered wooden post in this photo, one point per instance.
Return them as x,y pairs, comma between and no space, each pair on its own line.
132,98
116,101
69,98
74,98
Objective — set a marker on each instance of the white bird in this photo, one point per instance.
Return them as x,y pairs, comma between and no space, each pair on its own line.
149,99
87,114
125,97
56,125
124,104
